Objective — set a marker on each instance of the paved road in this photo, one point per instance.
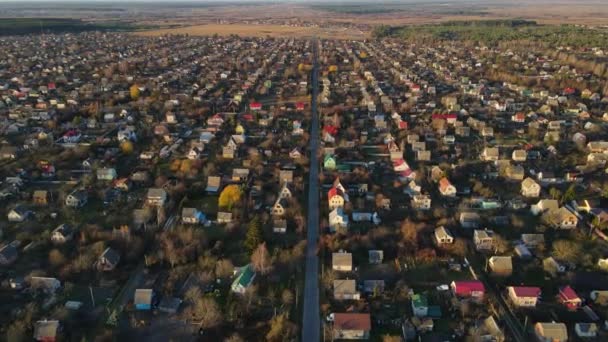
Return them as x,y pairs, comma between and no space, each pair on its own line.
310,320
502,310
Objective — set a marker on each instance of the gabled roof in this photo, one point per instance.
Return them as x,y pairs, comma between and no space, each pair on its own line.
111,256
352,321
526,291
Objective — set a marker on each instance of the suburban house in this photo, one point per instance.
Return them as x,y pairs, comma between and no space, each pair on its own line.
279,207
213,184
443,236
346,289
40,197
335,198
352,326
373,287
279,226
501,265
108,260
468,289
285,191
46,330
544,205
61,234
77,199
156,197
18,214
106,174
421,202
519,155
143,299
446,188
244,278
193,216
586,330
568,297
420,305
8,254
561,218
224,217
47,285
375,256
338,220
490,154
483,239
529,188
469,220
342,261
551,332
524,296
329,162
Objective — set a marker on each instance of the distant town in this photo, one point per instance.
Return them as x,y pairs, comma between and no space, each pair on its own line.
424,184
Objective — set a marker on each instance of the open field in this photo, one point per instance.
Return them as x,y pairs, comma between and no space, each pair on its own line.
261,31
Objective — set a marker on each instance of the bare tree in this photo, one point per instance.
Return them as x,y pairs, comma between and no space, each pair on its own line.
261,260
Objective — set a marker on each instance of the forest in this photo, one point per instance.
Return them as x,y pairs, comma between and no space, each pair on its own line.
492,32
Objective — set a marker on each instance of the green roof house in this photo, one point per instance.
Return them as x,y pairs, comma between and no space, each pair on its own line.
329,162
244,278
420,305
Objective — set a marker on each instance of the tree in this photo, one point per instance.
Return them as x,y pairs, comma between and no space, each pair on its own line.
261,260
234,338
555,193
254,234
500,244
224,269
566,250
56,258
287,297
207,311
570,194
281,329
134,92
389,338
230,196
126,147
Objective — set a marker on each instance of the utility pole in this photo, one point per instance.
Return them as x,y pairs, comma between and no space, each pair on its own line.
92,297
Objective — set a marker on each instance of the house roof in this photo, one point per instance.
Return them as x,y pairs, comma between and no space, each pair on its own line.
567,293
352,321
528,182
342,259
526,291
442,232
45,330
245,276
343,286
9,252
501,263
444,183
552,331
111,256
156,193
468,286
143,296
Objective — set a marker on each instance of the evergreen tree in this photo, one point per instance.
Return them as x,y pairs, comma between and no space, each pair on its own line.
254,234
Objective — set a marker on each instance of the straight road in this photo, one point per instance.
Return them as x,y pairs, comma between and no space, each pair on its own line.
311,322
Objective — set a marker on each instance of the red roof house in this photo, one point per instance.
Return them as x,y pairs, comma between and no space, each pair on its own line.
524,296
333,130
352,326
255,106
300,106
569,298
468,288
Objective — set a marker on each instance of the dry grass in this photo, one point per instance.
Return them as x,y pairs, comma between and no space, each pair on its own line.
269,20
